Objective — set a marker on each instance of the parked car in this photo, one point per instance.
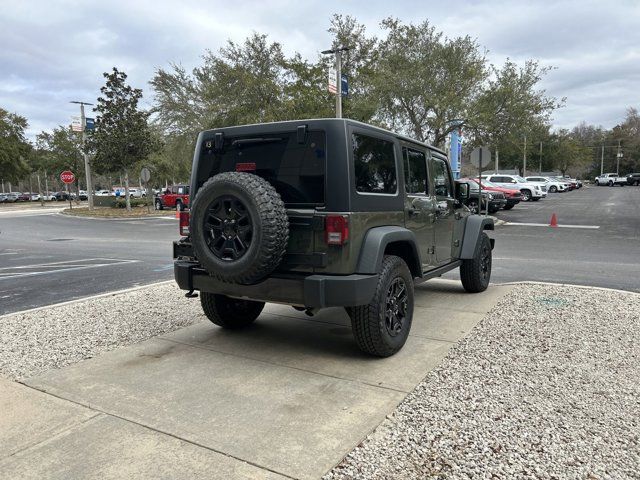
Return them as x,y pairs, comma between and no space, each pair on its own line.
610,179
577,183
103,193
34,197
491,201
49,197
176,196
3,197
61,196
530,191
548,184
633,179
512,196
82,195
12,197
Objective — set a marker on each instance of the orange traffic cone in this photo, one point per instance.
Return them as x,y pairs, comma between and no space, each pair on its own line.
554,221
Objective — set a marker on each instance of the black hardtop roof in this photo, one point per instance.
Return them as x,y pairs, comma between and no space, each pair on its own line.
316,122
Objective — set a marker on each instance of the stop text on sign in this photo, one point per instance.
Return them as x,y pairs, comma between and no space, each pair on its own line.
67,176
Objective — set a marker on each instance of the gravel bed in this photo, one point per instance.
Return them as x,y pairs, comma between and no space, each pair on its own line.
33,342
546,386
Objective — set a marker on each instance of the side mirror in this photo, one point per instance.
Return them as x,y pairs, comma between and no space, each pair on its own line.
462,191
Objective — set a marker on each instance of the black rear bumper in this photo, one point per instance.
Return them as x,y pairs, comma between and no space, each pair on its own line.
313,291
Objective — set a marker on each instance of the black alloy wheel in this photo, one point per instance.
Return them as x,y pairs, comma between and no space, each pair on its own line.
475,273
396,306
230,228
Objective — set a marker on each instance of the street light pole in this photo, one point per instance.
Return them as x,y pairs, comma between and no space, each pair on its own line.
87,166
338,66
618,157
540,168
524,158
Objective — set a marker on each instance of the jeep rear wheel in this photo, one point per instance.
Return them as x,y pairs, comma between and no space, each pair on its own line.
381,328
228,312
475,273
239,227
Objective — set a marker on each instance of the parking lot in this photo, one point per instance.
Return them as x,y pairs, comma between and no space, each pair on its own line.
48,258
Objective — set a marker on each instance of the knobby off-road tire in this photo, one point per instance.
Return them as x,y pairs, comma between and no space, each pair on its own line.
229,312
475,273
239,227
382,327
179,205
159,204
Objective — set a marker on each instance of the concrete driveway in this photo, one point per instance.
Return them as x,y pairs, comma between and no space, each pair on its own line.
288,397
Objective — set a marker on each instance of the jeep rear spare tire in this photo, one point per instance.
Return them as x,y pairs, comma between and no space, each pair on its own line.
239,227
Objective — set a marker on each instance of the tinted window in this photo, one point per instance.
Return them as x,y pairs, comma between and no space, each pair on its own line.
415,171
374,164
441,178
296,170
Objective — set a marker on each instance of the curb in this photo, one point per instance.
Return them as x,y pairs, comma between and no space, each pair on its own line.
586,287
115,218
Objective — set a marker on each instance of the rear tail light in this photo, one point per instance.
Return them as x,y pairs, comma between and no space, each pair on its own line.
184,222
336,229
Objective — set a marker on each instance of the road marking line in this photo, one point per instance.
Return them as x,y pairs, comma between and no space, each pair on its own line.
90,297
524,224
63,268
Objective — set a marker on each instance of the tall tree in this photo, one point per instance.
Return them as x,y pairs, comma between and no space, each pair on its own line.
425,80
59,150
122,137
14,147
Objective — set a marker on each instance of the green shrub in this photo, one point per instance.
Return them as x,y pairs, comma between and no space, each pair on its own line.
135,202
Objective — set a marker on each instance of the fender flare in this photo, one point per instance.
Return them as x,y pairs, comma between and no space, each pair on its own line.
375,243
474,226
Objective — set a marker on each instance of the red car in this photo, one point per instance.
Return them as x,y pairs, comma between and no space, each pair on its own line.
513,196
176,196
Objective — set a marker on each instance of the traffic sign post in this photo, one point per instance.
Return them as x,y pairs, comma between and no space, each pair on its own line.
67,177
145,175
480,157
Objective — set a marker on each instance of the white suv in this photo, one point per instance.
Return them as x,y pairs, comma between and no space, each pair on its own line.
530,191
548,184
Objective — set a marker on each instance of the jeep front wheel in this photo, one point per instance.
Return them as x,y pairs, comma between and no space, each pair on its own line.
381,328
475,273
227,312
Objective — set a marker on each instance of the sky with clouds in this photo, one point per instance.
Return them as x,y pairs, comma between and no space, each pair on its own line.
52,52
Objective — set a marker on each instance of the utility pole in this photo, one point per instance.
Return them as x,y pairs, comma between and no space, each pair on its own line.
618,157
524,158
602,161
540,168
87,166
338,66
497,161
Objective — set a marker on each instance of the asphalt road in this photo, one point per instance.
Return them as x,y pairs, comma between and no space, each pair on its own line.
48,258
608,256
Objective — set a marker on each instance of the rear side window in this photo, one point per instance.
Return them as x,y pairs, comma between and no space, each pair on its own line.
375,165
296,170
415,171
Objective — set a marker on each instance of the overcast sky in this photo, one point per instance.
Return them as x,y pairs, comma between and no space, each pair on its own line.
52,52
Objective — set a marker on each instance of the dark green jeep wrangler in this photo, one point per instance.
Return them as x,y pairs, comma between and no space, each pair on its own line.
323,213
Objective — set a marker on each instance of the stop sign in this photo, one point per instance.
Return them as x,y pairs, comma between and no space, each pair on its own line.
67,176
